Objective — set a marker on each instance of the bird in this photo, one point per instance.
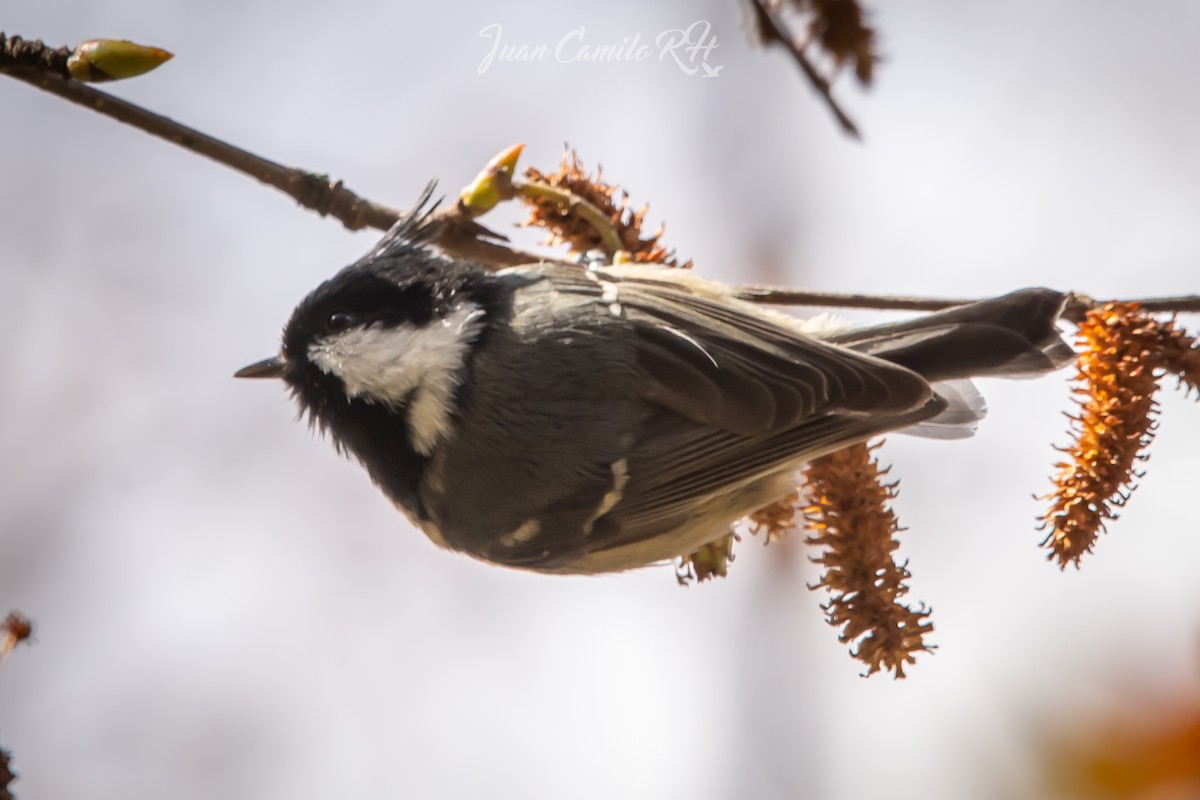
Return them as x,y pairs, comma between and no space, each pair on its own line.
580,419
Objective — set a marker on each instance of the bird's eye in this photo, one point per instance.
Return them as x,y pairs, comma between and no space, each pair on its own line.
338,321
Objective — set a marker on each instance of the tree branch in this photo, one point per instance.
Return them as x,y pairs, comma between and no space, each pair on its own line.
457,233
1077,305
43,67
771,29
316,192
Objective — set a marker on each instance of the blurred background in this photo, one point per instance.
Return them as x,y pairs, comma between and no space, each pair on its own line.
226,608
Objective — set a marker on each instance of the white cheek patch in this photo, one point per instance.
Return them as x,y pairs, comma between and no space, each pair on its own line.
422,364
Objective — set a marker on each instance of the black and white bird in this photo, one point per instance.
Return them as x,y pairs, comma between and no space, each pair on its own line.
567,419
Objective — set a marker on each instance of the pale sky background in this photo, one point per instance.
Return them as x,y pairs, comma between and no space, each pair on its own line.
226,608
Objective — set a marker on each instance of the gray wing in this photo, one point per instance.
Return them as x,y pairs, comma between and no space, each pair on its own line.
728,365
739,395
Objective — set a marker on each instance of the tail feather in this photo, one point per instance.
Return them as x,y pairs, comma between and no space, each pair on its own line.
965,408
1015,335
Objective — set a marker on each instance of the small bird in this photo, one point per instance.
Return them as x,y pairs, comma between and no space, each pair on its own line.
571,419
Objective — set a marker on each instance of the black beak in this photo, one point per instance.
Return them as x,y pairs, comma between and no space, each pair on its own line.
267,368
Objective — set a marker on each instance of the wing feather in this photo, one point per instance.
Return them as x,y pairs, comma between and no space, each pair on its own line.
768,375
742,394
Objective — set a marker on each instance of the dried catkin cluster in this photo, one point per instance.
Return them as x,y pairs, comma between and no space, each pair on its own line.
773,521
841,29
565,226
837,29
1122,354
710,561
850,517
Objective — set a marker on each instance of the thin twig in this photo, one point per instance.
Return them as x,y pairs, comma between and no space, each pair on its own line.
1184,304
782,296
317,192
37,64
772,29
40,66
1077,304
458,235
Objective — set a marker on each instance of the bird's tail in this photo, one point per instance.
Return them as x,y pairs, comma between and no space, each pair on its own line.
1011,336
1015,335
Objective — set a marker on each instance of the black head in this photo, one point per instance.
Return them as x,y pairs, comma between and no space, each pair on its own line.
374,355
412,289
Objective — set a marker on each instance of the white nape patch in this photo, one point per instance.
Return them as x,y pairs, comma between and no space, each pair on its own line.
620,477
421,363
